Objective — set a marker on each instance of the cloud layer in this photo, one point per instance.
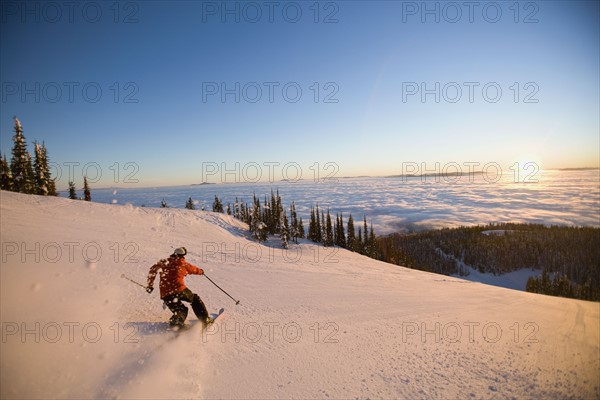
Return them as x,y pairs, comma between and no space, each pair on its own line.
396,204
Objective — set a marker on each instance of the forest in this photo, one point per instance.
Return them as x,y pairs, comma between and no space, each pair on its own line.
568,256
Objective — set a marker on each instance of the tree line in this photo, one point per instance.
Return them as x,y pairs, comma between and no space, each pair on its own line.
270,217
568,256
28,175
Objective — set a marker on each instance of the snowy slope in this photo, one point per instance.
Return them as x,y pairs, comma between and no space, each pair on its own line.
312,322
516,280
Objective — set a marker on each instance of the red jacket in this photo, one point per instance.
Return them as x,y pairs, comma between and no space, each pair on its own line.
172,271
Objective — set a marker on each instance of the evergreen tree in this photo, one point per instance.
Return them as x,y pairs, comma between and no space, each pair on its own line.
341,234
351,241
373,252
217,205
20,163
545,284
318,230
163,204
272,219
285,229
30,186
312,236
323,224
366,233
190,204
263,232
336,229
52,188
228,208
300,228
328,240
243,214
532,285
278,213
51,184
257,226
41,172
5,174
87,196
254,221
72,191
359,243
266,215
294,229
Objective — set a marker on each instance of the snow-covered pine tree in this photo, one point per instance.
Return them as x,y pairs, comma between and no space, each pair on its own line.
44,184
163,204
190,204
228,208
294,231
20,163
52,188
256,222
72,191
217,205
249,213
285,229
30,186
51,182
87,195
263,232
278,213
39,171
266,215
5,174
243,216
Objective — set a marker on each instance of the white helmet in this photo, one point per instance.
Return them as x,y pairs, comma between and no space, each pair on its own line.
180,252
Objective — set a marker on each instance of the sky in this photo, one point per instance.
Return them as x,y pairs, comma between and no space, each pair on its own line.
152,93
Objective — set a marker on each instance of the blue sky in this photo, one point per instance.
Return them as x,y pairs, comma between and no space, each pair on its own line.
366,68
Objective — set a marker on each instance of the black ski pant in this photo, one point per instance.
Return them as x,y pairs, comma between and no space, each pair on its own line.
180,311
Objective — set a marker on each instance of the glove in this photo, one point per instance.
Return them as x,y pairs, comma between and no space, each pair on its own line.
201,271
149,289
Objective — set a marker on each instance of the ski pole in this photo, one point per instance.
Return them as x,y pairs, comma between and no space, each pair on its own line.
131,280
211,281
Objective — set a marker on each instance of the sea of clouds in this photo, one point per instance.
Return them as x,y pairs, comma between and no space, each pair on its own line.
405,204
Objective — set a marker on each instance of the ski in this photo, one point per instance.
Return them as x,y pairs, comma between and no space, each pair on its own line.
214,317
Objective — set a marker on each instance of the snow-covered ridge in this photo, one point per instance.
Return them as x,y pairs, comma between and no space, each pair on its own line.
312,323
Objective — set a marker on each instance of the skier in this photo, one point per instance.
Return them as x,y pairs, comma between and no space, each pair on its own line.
173,290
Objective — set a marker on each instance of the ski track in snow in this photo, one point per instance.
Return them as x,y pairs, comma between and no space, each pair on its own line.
330,324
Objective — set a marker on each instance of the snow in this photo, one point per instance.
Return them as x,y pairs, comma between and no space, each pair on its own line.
516,280
312,322
497,232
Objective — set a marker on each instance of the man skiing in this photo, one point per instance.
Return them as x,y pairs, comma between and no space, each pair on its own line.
173,290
